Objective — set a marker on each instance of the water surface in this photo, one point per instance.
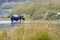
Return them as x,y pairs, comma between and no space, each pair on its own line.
8,25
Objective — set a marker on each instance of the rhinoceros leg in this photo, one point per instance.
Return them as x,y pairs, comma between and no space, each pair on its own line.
20,20
11,20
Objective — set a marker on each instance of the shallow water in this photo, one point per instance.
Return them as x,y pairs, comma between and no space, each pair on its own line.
8,25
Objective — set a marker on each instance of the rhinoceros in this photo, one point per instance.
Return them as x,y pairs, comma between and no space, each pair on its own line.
16,18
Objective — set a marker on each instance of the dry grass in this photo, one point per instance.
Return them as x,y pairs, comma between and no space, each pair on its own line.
33,31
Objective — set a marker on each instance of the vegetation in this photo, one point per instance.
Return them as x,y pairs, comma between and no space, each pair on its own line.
38,10
34,31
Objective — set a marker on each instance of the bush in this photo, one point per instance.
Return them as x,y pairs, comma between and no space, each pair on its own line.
38,11
50,14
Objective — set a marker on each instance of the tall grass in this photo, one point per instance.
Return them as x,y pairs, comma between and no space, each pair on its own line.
29,32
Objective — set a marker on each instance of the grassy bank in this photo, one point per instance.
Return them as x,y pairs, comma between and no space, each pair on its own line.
32,32
4,19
